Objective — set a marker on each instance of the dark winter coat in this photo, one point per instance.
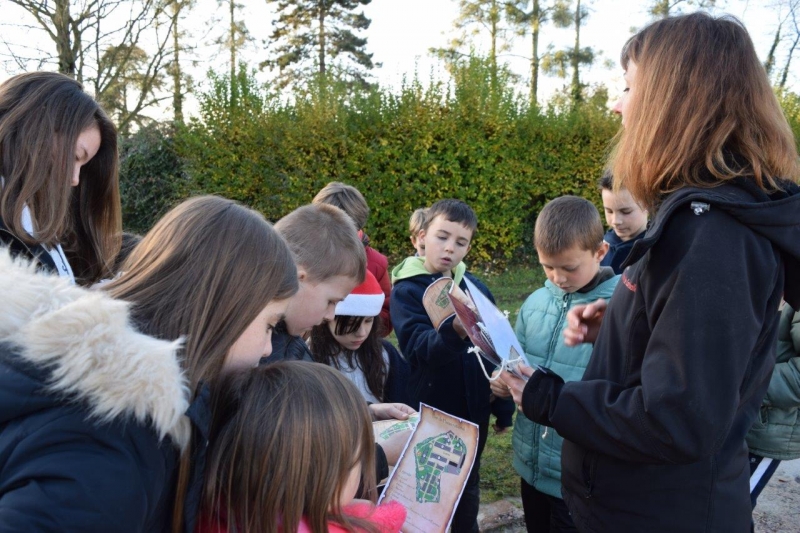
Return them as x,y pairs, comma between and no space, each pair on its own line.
396,386
35,253
286,347
655,432
618,250
92,412
443,373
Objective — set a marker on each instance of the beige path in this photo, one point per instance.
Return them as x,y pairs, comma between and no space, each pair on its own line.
778,508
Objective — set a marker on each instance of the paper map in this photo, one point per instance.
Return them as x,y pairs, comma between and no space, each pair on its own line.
384,429
489,330
433,469
436,300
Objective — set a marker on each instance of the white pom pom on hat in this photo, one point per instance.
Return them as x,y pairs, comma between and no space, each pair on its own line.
365,300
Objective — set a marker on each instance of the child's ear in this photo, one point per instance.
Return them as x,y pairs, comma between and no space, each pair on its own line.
302,275
601,251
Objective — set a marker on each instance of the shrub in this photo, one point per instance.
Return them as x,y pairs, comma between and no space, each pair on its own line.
151,176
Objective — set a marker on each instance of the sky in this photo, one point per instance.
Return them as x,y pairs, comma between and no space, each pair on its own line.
403,31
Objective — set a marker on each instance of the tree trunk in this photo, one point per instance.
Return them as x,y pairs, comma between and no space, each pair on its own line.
576,81
177,86
493,17
769,64
785,74
321,39
63,22
232,5
535,23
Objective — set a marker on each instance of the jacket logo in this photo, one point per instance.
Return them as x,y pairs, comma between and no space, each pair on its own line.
628,283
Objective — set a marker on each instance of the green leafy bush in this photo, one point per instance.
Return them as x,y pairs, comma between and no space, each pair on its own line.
402,150
151,176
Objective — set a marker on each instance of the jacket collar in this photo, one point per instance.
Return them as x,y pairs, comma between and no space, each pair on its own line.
92,352
740,197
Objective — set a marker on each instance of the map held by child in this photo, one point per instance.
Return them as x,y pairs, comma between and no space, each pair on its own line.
489,330
433,470
442,454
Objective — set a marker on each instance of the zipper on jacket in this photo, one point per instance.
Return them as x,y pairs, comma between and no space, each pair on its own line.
551,350
589,479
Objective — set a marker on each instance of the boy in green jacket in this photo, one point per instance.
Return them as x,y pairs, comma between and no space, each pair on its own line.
569,241
775,435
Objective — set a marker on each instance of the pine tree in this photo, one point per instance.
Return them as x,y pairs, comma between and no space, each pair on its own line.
319,37
558,61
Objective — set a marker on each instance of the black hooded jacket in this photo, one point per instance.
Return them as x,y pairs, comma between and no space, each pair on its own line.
654,433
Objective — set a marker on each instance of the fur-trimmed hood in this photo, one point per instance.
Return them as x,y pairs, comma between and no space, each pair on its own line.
69,342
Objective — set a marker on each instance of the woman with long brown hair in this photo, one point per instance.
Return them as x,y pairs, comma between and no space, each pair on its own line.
104,402
654,434
60,202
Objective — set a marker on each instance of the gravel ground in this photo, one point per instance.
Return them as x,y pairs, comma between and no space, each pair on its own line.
778,509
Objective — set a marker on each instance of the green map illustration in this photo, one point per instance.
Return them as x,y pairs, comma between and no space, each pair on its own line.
442,454
442,300
403,425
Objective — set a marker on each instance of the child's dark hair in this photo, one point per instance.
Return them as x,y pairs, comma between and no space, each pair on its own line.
565,222
347,198
453,211
606,181
284,440
369,356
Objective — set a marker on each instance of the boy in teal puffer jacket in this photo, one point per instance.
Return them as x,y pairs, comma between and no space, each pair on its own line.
569,241
775,435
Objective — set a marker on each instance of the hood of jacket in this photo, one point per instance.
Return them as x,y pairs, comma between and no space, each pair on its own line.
415,266
775,216
62,343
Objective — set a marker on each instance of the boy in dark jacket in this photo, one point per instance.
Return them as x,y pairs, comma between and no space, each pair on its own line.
443,373
330,264
627,220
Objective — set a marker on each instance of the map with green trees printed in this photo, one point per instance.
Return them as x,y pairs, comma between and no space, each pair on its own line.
396,427
434,457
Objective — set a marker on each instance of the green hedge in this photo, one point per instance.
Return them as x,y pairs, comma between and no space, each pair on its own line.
402,151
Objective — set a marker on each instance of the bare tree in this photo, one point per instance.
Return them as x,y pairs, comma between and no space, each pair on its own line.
104,44
180,80
794,7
